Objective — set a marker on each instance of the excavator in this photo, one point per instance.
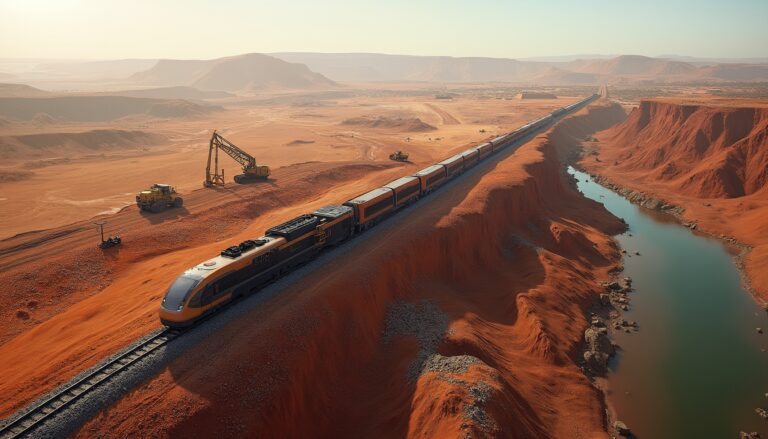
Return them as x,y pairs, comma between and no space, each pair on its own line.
251,171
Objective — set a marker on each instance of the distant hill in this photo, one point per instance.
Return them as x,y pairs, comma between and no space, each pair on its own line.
21,91
736,72
379,67
557,76
96,108
177,92
243,72
594,69
632,65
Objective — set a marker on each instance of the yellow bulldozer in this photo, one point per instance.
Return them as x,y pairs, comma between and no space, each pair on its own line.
158,198
399,156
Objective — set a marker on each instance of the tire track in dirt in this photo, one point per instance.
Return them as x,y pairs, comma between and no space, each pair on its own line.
445,116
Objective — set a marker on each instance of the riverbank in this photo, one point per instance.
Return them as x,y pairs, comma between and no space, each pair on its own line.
705,165
697,366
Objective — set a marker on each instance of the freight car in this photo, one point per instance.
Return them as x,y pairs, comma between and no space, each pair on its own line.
247,267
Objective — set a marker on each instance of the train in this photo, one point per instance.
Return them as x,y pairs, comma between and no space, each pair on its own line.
244,269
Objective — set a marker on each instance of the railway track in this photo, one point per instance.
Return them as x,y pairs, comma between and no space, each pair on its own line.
64,396
27,420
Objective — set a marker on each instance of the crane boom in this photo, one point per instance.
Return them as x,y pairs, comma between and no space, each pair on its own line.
248,162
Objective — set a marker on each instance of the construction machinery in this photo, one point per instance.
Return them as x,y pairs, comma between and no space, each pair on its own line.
399,156
158,198
111,241
251,171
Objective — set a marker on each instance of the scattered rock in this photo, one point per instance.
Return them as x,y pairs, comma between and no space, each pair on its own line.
763,413
751,435
621,428
605,299
759,330
599,349
23,315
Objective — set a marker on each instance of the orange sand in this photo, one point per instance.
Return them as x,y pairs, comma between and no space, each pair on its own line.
69,304
513,256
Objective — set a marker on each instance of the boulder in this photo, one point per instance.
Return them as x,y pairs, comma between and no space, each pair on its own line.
621,428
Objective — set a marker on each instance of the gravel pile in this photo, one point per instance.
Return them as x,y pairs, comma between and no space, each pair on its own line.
423,320
454,364
474,411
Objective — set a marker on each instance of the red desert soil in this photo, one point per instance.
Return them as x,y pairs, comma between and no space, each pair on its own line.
65,305
461,316
708,156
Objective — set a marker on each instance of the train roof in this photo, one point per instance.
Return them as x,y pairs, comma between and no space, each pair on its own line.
332,211
205,269
426,171
294,228
450,160
499,139
402,181
368,196
468,152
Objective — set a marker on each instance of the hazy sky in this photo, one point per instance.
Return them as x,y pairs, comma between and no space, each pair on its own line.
89,29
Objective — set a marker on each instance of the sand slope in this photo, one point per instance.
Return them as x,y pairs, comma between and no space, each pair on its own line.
711,157
30,146
97,108
488,283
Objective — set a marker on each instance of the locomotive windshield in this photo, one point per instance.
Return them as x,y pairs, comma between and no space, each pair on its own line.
179,291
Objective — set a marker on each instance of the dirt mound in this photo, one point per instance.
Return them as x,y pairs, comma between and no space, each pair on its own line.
700,150
73,144
95,108
399,123
535,95
8,176
243,72
299,142
405,338
42,120
21,91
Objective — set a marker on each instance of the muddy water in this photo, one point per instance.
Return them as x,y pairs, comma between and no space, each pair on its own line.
695,369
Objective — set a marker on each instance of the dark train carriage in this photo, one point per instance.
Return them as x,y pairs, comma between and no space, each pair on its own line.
453,165
336,223
301,239
406,189
431,178
372,206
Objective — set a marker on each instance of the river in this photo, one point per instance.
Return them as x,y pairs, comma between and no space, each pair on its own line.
697,368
